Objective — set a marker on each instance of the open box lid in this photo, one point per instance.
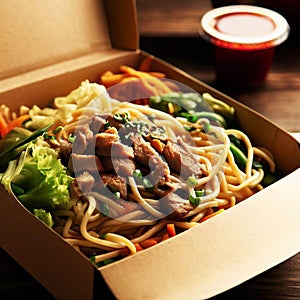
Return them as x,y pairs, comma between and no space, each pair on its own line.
49,33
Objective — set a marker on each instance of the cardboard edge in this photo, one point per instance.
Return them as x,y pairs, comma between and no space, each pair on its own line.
78,74
217,258
26,237
126,21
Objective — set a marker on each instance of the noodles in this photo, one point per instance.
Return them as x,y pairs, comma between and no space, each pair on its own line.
141,217
145,168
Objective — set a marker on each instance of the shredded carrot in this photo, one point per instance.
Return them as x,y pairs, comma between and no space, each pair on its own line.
138,247
17,122
157,74
3,127
7,127
145,66
211,215
109,78
157,145
171,230
150,242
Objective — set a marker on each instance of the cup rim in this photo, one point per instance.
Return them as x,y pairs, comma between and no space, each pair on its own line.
275,37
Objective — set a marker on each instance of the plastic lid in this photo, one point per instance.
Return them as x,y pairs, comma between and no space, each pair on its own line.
244,26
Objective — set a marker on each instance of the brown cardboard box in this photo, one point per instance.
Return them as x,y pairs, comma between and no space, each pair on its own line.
47,49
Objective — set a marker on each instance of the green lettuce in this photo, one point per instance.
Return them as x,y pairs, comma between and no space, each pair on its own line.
44,216
38,178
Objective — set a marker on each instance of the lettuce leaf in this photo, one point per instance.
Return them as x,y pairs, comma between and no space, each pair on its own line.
38,178
44,216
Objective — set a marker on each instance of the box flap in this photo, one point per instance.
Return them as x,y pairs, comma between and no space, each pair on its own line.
51,31
218,254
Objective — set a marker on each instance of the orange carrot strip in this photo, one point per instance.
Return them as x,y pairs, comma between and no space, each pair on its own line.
138,247
211,215
133,72
157,145
109,79
171,230
146,63
17,122
3,127
157,74
150,242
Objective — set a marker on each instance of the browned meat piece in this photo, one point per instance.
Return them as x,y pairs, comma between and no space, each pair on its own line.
181,159
90,163
121,166
113,122
177,209
114,183
85,182
107,144
97,123
66,149
82,136
145,154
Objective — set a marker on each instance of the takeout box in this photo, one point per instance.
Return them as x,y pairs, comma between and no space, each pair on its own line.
47,49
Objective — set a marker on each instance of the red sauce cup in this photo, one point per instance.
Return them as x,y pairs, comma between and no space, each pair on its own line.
244,39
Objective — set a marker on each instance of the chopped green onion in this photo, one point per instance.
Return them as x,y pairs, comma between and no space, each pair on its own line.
200,193
71,138
191,181
47,136
103,236
137,173
195,201
188,128
124,118
147,183
58,129
206,127
106,125
192,119
117,194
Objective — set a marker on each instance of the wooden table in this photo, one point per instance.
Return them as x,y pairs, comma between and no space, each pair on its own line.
278,99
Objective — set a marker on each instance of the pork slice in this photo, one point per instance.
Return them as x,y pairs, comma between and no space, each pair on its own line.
121,166
114,183
82,136
181,159
97,123
85,182
177,208
81,162
114,123
146,155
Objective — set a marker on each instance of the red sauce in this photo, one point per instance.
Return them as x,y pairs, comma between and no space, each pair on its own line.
249,63
244,24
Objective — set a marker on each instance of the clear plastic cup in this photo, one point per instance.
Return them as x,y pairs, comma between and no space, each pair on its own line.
244,39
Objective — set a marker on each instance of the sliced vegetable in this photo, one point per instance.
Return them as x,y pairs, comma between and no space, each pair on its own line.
211,215
48,187
44,216
14,143
171,230
239,157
